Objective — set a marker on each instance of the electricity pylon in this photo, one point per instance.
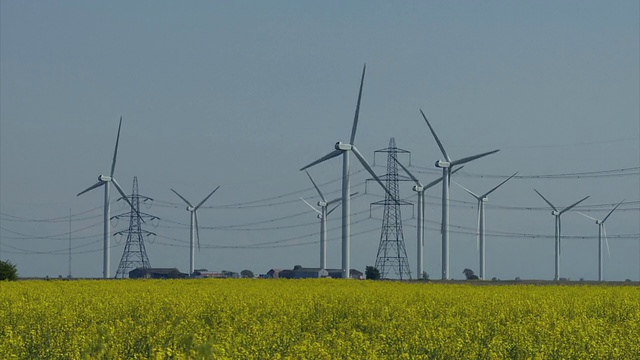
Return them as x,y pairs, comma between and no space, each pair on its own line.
134,255
392,254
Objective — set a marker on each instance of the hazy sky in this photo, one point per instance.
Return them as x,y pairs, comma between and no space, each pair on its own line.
243,94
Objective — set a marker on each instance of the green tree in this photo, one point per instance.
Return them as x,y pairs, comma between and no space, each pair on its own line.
372,273
246,274
8,271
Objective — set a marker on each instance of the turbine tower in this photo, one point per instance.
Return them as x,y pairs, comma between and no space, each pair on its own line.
106,181
602,230
322,215
193,227
344,150
446,166
558,230
420,189
481,229
391,251
135,254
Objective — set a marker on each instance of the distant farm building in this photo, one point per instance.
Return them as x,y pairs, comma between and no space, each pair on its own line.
157,273
299,272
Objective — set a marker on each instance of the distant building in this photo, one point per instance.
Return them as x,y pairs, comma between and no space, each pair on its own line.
157,273
304,273
274,273
204,273
299,272
353,273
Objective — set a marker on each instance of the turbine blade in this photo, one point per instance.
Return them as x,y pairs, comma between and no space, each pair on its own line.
587,216
545,199
444,152
610,212
330,155
366,165
115,152
606,239
355,118
181,197
98,184
335,207
571,206
205,199
436,182
126,198
470,158
316,186
311,206
415,180
469,191
433,183
502,183
340,199
195,215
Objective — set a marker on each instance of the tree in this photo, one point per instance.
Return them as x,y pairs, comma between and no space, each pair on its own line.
372,273
470,274
247,274
8,271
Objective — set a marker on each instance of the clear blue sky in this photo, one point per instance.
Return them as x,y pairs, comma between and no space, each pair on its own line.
242,94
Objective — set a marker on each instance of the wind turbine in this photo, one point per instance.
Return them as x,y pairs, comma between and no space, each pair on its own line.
557,213
322,215
193,210
344,150
446,166
602,230
104,180
420,189
481,229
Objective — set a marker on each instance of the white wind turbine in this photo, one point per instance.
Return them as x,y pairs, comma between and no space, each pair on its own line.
481,229
322,215
104,180
446,166
420,189
601,231
344,150
558,232
193,210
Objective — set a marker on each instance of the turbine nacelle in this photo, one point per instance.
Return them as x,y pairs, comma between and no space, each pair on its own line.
342,146
418,188
191,208
322,203
443,164
599,222
104,178
555,213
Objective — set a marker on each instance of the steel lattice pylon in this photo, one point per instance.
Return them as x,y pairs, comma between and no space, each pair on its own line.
134,255
392,254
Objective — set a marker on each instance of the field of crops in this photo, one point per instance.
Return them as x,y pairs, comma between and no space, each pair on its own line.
315,319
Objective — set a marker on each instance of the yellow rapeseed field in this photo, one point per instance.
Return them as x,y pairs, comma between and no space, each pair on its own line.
314,319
